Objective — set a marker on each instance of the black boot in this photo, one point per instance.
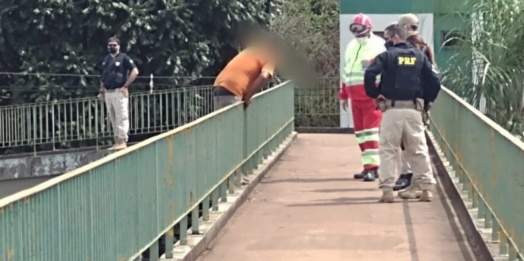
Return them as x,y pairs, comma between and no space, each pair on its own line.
403,181
371,175
360,175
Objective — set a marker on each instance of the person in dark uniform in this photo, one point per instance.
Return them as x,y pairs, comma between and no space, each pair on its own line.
119,71
409,85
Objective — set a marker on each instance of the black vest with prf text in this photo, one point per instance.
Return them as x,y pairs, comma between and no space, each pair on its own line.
115,74
405,65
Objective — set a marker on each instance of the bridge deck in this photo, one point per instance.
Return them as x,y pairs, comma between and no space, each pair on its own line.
309,208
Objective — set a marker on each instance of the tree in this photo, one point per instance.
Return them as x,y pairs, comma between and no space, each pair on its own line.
44,38
311,29
187,38
488,69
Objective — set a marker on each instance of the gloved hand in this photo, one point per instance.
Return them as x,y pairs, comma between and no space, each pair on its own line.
345,105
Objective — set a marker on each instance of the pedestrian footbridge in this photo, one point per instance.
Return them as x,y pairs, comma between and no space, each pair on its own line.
178,196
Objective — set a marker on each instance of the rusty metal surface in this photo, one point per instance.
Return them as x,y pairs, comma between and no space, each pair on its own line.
448,189
488,162
125,204
309,208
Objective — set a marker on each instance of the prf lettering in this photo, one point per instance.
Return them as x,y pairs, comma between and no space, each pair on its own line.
405,60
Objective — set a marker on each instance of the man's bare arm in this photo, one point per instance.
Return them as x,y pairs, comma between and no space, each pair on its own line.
257,85
132,77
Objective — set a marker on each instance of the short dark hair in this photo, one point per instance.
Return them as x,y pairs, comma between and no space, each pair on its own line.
390,27
113,39
399,31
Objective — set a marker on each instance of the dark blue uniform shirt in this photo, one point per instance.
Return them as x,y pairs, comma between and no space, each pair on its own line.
116,70
407,74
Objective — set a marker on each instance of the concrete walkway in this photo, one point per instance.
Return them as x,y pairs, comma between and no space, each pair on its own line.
308,208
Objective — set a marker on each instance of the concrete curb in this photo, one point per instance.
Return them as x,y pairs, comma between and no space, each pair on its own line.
478,238
209,230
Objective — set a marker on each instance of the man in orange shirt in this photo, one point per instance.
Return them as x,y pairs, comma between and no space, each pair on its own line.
246,73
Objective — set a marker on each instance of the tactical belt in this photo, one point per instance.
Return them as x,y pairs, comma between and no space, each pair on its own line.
416,105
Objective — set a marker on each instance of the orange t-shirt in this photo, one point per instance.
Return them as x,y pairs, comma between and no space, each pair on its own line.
243,70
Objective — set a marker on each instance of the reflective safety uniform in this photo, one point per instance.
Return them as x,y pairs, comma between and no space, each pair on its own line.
366,117
409,84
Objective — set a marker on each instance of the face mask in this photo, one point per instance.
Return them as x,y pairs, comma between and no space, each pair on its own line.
362,40
388,44
112,50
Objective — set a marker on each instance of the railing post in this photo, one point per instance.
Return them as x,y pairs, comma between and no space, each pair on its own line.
169,242
245,166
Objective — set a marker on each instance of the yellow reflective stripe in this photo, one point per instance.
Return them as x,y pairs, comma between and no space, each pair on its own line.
358,82
351,79
356,74
353,83
370,157
367,135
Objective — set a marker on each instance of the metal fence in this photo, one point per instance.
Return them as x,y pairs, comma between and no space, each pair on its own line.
121,205
63,121
57,124
60,122
488,161
317,104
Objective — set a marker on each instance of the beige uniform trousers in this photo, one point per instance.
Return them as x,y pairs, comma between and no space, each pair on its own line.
402,123
405,167
118,108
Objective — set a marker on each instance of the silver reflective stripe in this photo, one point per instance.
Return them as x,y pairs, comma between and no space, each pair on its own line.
354,82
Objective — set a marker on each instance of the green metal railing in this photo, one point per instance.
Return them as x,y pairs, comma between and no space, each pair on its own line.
86,119
488,161
317,104
76,120
119,206
63,123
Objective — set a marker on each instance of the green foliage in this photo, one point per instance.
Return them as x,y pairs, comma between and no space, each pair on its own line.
318,106
69,37
489,66
311,28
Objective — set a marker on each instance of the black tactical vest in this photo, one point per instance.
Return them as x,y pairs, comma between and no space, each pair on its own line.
115,74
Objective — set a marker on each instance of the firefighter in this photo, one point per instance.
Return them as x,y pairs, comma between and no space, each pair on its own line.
410,84
366,117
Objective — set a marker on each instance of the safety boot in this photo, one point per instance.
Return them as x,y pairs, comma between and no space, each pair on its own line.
412,192
426,196
115,143
387,196
371,175
403,181
360,175
120,144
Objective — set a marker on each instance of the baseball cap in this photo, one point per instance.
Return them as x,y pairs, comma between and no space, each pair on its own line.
408,19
